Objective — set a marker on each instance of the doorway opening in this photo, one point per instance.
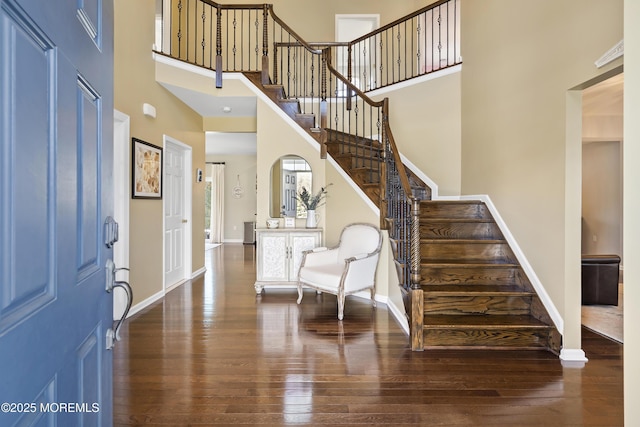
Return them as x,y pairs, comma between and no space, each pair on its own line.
602,200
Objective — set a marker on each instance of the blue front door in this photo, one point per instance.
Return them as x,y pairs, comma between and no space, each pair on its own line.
56,109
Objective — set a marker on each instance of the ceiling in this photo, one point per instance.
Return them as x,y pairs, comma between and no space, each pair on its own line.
605,98
214,106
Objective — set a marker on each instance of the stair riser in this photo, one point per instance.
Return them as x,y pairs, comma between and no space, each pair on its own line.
365,176
459,230
274,92
468,276
434,209
305,121
351,162
290,107
507,338
362,149
489,304
466,252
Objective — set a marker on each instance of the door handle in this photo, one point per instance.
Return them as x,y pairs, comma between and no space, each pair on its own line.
184,221
113,335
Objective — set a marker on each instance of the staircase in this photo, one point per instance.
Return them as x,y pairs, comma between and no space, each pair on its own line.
462,285
475,293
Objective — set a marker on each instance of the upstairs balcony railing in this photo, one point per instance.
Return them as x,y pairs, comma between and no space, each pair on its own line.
420,43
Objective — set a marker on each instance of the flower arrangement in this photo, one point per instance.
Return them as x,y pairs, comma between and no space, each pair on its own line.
312,201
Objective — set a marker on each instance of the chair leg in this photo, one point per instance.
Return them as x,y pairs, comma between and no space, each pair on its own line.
373,296
341,305
300,293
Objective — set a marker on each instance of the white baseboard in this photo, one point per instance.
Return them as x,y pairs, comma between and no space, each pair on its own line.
572,355
145,303
198,273
400,317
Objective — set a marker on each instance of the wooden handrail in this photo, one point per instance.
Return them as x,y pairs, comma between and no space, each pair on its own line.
402,172
399,21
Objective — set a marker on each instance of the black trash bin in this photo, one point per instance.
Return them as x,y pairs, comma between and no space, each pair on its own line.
600,276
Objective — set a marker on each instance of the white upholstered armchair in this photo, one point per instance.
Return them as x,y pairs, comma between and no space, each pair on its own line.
345,269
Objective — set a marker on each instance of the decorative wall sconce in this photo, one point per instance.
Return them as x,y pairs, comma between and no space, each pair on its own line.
149,110
237,190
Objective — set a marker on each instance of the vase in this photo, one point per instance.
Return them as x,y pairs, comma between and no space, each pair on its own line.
312,219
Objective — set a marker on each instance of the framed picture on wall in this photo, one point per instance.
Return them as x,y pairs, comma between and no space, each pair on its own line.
146,174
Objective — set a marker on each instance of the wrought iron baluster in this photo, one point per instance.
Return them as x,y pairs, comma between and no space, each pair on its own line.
439,37
211,36
219,47
179,27
204,17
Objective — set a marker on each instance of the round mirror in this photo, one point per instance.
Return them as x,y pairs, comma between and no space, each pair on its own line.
288,175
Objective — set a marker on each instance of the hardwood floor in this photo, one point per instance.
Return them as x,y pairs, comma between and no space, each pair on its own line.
212,353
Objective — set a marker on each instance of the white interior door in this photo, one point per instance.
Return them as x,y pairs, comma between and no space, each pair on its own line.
177,199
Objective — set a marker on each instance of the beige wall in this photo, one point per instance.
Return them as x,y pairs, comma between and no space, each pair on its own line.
276,138
631,212
237,211
520,60
425,121
135,84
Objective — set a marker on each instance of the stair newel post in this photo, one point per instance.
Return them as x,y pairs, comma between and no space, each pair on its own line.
349,94
265,44
415,242
417,297
218,46
323,103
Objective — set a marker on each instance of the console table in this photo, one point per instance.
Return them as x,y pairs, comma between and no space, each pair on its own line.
279,254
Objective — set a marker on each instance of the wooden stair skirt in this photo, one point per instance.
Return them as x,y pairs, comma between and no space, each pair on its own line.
474,292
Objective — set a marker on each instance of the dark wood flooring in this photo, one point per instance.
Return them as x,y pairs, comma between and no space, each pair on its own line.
212,353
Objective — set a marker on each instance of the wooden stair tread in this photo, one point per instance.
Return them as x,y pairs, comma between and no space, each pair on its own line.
425,219
462,264
365,144
482,321
440,241
453,202
475,290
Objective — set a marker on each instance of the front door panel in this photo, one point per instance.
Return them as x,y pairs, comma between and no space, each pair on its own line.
56,109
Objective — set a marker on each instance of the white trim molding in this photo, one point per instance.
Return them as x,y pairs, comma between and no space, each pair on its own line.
198,273
572,355
145,303
612,54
